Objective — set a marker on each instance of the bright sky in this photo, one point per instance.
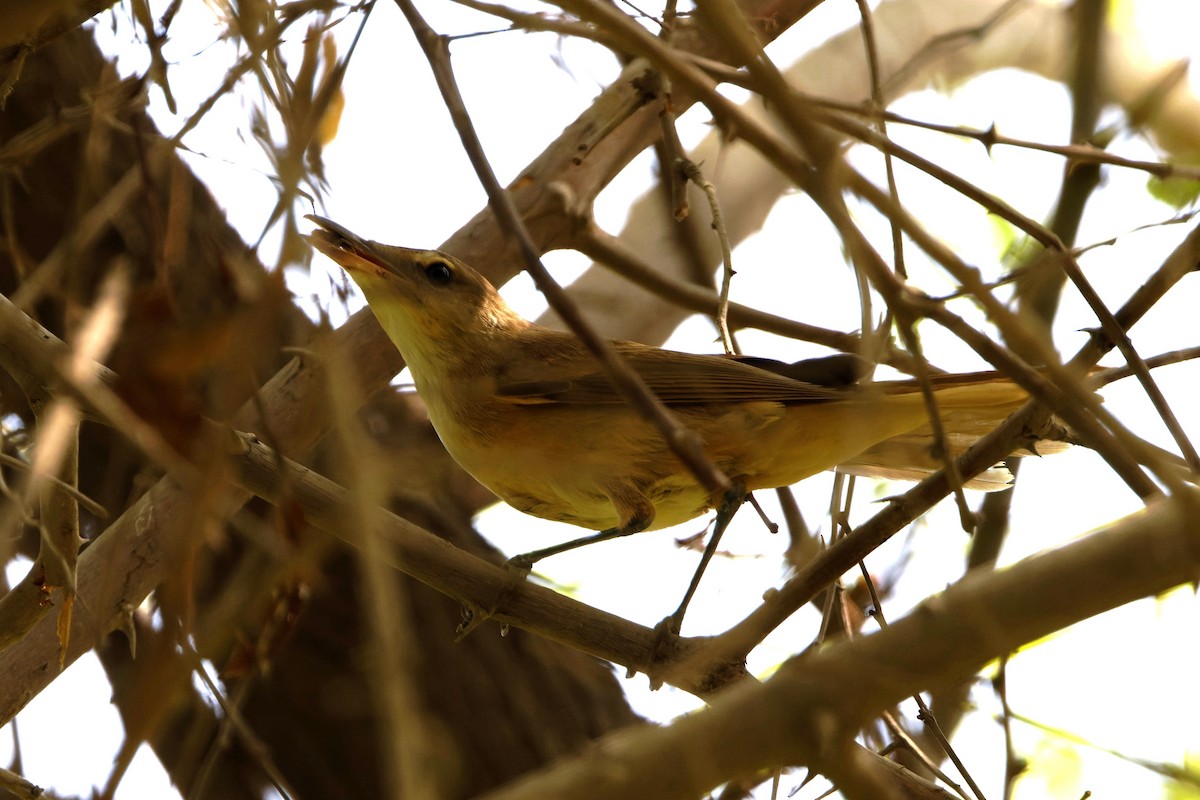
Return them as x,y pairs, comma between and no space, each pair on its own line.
397,174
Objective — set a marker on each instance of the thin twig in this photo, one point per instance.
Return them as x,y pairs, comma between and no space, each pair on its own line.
675,159
1076,153
91,505
696,176
405,730
905,322
926,716
234,721
924,713
611,252
906,742
1106,376
1014,765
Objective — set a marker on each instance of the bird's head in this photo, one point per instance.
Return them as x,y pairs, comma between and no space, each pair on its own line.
429,303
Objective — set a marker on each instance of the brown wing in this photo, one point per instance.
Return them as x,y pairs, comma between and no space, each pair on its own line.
836,371
676,378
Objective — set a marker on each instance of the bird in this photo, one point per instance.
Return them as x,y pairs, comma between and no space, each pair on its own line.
529,412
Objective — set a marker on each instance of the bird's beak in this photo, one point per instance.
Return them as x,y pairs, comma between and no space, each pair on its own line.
343,246
361,256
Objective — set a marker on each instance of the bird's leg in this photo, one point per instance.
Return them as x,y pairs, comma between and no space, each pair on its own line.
634,510
527,560
773,527
729,505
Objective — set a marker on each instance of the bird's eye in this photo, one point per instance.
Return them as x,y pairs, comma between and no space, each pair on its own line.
439,273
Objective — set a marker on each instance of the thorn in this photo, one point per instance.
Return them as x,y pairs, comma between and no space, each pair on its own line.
988,140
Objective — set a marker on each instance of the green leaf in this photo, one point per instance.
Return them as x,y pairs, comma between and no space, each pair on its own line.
1175,192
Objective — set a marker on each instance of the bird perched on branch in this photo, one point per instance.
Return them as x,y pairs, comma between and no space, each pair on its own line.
529,412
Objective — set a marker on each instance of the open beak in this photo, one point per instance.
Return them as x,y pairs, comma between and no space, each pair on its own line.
341,245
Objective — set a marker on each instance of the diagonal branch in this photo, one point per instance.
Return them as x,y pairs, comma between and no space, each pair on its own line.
804,715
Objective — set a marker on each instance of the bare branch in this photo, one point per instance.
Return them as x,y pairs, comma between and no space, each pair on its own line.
804,715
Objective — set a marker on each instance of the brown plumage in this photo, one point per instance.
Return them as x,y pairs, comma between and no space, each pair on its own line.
531,415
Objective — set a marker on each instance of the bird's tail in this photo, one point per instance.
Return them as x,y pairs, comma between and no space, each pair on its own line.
970,406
